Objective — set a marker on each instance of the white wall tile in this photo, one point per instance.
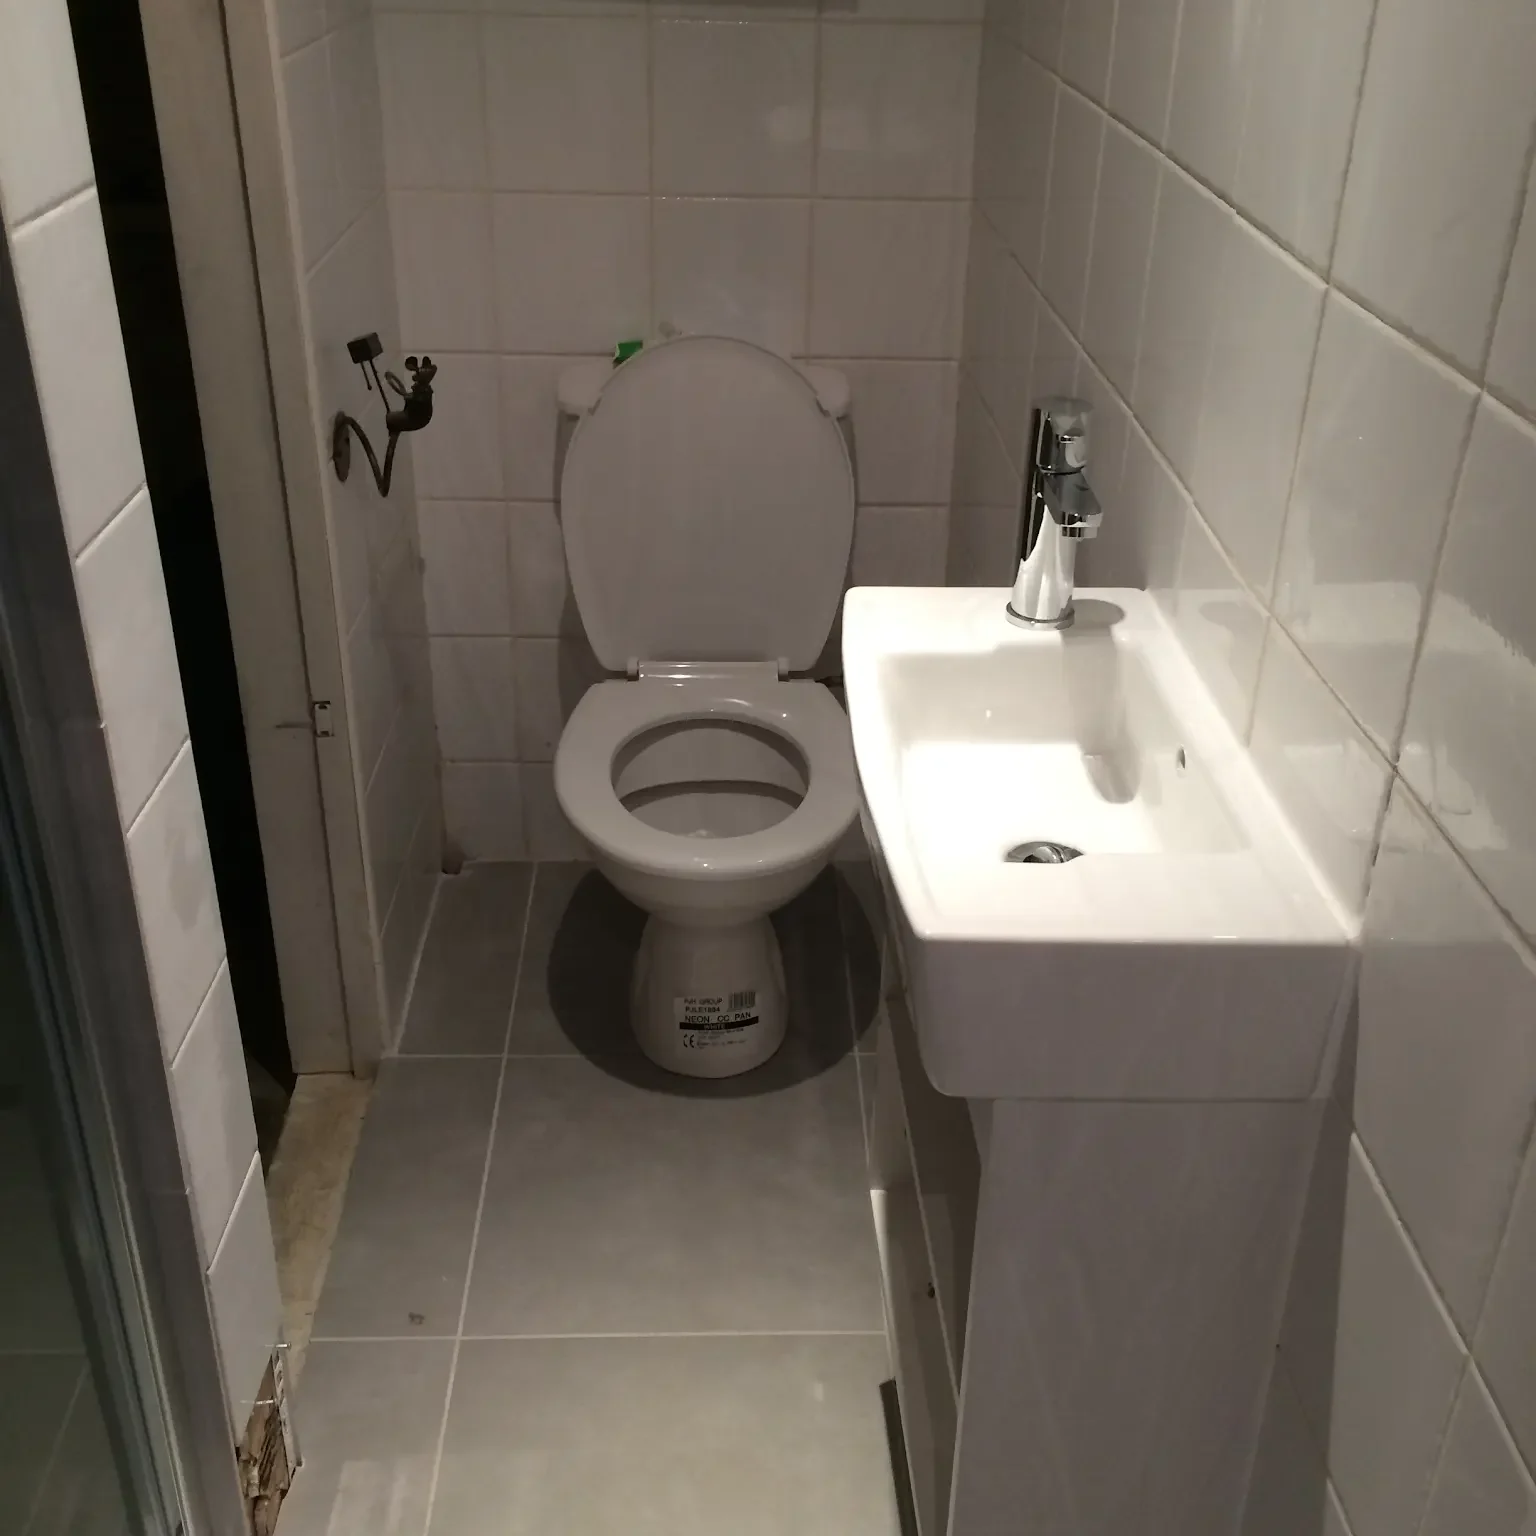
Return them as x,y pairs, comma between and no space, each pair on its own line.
1503,1347
1512,366
1320,767
213,1111
984,515
460,456
1392,1361
44,151
1482,1488
178,906
1438,167
566,99
1471,727
371,688
359,134
1219,625
734,267
1211,76
1087,44
475,696
392,807
887,279
541,710
1445,1078
1122,250
298,22
905,10
531,424
1179,323
1015,118
1070,206
1043,25
1141,68
900,546
1055,363
898,110
247,1307
573,273
443,268
540,588
311,120
1386,427
432,90
465,580
999,346
1250,418
1288,1490
904,429
483,810
133,654
550,835
535,7
1304,76
70,313
734,106
1142,542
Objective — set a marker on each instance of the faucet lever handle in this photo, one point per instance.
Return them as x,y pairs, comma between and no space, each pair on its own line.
1061,435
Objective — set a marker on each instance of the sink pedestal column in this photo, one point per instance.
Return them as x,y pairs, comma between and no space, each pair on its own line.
1124,1269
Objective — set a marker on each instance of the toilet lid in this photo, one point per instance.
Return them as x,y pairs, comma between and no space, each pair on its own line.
707,506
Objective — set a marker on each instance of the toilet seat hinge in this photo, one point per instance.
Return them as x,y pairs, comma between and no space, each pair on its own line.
706,671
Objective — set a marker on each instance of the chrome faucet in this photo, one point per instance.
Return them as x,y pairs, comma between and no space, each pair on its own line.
1059,510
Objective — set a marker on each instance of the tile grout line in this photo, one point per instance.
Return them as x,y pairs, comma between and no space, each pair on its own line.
520,1338
485,1179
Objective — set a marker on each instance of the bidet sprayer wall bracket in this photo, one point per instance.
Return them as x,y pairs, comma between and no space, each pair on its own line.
412,414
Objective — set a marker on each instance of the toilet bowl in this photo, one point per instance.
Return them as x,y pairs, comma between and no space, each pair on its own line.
707,508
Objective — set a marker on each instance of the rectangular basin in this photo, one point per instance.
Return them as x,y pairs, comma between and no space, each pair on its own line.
1191,951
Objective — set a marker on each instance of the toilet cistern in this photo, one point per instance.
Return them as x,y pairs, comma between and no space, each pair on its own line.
1059,510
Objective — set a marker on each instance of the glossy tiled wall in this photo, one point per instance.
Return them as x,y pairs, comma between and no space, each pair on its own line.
565,174
336,178
1284,246
52,221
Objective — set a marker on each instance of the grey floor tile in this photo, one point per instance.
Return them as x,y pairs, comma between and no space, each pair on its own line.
369,1416
667,1437
573,997
463,995
402,1249
645,1202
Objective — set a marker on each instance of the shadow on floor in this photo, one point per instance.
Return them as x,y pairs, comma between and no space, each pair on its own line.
592,957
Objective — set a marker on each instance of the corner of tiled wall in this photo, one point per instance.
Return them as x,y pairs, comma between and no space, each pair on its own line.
1288,249
330,87
562,178
53,224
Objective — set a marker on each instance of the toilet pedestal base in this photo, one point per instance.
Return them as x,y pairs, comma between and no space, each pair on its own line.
709,1002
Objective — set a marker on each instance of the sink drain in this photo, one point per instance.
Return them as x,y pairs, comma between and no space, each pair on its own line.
1042,853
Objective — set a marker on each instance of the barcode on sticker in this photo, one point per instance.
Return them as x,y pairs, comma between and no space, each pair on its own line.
738,1000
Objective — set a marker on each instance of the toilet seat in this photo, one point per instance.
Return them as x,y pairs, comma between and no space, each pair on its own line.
610,715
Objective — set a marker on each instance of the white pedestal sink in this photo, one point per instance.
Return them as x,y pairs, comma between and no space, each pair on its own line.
1143,1033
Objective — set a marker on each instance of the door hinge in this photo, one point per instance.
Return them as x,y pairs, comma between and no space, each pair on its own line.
320,716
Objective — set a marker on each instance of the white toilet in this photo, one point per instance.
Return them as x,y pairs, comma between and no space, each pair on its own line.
707,503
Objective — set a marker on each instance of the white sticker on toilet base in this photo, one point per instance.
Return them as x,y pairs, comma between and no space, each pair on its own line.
722,1019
